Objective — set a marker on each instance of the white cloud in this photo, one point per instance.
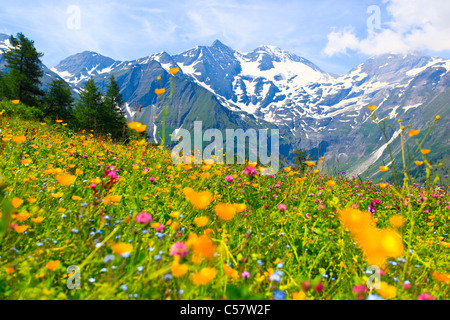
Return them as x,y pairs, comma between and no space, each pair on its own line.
414,25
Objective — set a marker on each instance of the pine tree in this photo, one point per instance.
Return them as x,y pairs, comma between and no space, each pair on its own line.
113,117
88,107
25,70
59,100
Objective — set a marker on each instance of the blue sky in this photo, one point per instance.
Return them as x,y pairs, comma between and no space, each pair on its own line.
332,34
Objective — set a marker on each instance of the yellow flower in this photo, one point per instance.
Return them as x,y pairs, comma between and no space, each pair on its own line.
438,117
372,108
66,179
160,91
201,221
225,211
139,127
19,139
204,276
391,243
16,202
76,198
413,133
383,185
174,70
425,151
287,169
122,248
419,163
384,168
52,265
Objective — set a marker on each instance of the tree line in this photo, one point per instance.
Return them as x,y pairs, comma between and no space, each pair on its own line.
92,111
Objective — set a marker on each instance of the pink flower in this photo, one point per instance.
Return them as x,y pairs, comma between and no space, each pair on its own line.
282,207
229,178
160,227
360,289
245,274
143,218
425,296
250,171
93,186
179,249
152,179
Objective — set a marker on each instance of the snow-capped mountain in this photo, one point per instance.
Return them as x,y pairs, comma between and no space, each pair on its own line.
268,87
82,66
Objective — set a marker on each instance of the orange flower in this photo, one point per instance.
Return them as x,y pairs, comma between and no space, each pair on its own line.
178,270
37,220
66,179
372,108
52,265
418,163
22,216
310,163
122,248
199,200
139,127
355,220
20,229
203,246
225,211
160,91
174,70
239,207
387,291
384,169
76,198
441,277
20,139
15,101
9,270
331,183
425,151
16,202
229,271
201,221
204,276
397,221
413,133
391,243
299,296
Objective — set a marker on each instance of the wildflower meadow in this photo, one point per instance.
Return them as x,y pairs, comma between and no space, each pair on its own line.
86,217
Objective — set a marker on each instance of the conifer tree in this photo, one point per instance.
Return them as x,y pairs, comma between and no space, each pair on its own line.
88,107
59,100
25,70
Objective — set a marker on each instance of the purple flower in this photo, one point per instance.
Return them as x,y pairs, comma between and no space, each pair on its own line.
143,218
